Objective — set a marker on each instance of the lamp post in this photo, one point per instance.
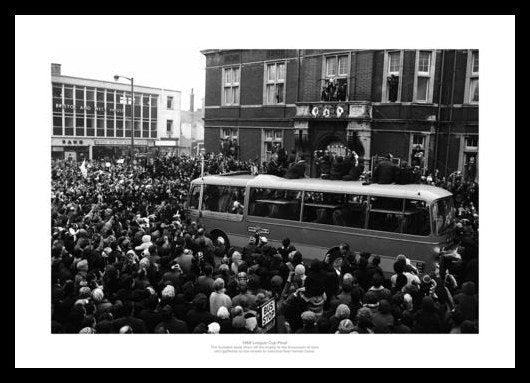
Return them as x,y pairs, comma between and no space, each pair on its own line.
202,152
131,79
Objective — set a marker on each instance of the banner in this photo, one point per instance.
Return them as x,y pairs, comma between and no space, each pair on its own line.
84,170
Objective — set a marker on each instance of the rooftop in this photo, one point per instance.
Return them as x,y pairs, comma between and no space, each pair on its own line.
113,83
411,191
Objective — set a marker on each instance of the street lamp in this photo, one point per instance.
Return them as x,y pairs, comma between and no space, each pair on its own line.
131,79
202,152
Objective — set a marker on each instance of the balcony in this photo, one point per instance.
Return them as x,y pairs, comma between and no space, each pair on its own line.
334,110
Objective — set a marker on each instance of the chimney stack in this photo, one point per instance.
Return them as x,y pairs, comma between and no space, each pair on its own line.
56,69
192,108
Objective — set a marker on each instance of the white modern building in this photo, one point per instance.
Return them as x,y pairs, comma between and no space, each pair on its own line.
93,118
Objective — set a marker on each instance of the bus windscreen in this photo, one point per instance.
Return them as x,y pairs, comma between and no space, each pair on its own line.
443,215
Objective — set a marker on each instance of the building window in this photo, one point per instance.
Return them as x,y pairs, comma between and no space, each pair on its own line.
229,133
275,83
169,102
472,78
417,150
229,142
471,143
272,140
231,78
424,76
470,158
392,76
336,72
169,126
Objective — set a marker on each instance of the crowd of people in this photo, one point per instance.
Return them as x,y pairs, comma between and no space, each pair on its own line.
127,259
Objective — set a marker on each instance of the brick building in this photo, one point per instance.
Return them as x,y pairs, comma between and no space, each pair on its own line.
370,101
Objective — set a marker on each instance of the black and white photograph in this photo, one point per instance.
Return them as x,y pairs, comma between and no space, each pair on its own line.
264,198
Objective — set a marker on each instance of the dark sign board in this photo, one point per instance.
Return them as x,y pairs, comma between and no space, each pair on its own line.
267,315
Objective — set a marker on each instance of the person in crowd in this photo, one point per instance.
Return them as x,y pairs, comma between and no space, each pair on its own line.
285,249
218,298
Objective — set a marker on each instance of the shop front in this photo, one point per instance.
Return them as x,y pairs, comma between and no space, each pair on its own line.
70,149
167,147
111,149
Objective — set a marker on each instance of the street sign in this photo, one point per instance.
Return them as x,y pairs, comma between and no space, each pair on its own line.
267,315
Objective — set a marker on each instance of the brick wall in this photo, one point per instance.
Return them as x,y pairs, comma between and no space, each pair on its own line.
213,88
377,75
363,75
211,139
397,143
252,84
249,143
407,82
309,79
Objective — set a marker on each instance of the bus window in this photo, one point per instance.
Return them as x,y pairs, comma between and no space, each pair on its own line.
334,209
194,197
275,203
233,200
443,215
223,199
416,219
386,214
211,197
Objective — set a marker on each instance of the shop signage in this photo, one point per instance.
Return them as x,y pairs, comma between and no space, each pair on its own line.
125,141
330,111
72,142
88,108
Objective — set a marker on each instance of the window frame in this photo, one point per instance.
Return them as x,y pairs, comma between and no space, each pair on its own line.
365,198
169,102
325,77
231,85
220,214
276,202
430,75
275,82
265,154
231,136
471,76
386,73
170,131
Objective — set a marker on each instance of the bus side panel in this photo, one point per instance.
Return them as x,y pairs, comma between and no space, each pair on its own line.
318,240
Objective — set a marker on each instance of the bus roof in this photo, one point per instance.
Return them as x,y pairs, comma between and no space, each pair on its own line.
412,191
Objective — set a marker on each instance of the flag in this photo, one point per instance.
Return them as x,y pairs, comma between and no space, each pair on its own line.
83,169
